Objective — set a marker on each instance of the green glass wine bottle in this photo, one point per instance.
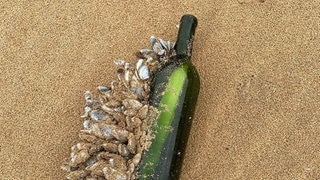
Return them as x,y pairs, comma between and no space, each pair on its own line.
174,92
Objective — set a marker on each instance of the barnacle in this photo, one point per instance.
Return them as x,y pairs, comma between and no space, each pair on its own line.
116,123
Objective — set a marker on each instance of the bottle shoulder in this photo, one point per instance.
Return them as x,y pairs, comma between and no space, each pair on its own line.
177,71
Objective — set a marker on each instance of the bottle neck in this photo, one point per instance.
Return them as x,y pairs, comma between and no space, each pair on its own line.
183,47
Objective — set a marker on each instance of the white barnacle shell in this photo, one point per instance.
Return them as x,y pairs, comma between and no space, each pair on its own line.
136,159
123,150
99,130
111,162
120,73
96,168
143,72
119,62
171,45
162,52
87,110
127,75
155,44
160,47
90,161
146,51
103,89
164,44
149,59
139,91
127,66
139,63
157,47
88,96
87,124
107,109
142,69
98,115
153,41
119,134
132,144
79,157
107,131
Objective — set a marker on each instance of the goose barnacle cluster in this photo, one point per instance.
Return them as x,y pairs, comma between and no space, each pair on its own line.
116,127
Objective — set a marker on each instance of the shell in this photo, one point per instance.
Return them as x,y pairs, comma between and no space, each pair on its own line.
143,112
156,46
110,147
120,73
90,138
127,75
143,72
164,44
115,160
98,115
87,124
104,89
147,52
119,62
131,169
136,159
97,168
130,112
139,63
111,173
79,157
88,96
132,104
123,150
132,144
87,110
120,134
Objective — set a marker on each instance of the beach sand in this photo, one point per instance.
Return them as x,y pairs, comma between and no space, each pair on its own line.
258,113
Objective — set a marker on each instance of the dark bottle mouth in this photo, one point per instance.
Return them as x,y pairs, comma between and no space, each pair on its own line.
187,28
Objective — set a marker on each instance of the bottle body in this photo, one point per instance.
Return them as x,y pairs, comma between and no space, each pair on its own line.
174,92
176,88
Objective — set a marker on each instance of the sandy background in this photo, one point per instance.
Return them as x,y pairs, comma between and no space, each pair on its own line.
258,114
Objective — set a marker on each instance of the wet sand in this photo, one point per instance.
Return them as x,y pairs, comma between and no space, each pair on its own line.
258,114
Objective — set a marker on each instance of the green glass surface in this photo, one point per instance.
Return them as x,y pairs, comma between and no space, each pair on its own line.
174,92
